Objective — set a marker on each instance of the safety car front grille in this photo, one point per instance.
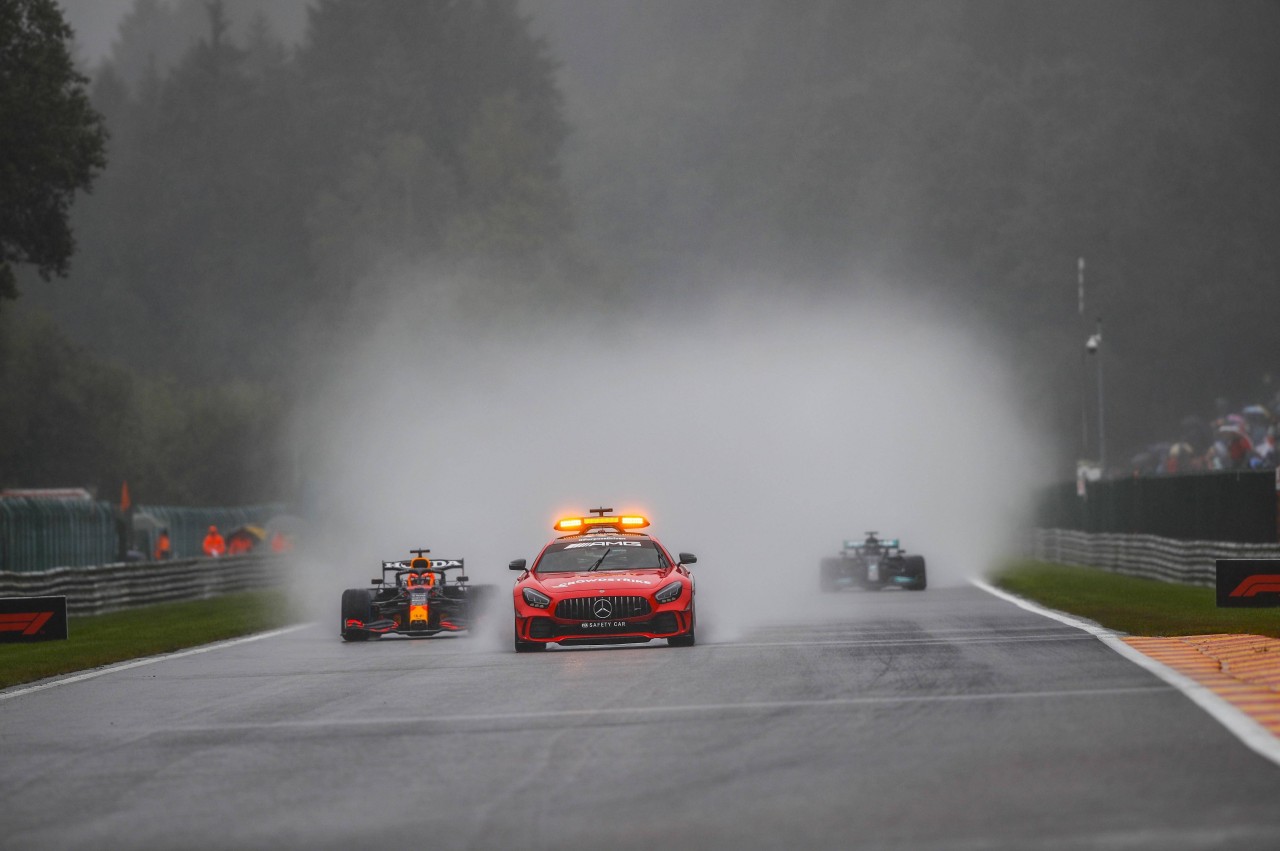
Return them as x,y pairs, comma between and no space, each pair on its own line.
584,608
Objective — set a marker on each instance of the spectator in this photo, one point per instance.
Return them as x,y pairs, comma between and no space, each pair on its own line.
214,545
164,549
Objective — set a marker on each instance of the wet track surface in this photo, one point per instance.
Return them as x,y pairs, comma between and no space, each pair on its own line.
947,719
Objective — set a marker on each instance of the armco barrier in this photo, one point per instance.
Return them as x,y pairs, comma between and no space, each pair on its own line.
1149,556
112,587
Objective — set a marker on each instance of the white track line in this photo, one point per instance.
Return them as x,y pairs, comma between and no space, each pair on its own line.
1243,727
719,710
146,660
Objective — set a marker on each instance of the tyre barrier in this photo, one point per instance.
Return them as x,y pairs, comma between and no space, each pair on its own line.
1148,556
113,587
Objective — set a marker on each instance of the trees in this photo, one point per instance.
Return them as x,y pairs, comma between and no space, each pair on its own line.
256,191
70,419
260,195
443,125
51,140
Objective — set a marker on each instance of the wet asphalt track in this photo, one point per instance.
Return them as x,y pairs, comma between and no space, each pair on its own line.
948,719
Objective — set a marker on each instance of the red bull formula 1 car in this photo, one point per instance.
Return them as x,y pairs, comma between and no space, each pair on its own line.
604,582
412,598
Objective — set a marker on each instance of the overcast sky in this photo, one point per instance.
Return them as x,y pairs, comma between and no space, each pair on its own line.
96,21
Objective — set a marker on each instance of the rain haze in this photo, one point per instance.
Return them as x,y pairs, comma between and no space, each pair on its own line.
778,274
756,430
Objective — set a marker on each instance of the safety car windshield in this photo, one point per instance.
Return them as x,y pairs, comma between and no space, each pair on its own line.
601,554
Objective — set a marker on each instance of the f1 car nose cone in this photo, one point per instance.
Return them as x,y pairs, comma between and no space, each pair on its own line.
602,608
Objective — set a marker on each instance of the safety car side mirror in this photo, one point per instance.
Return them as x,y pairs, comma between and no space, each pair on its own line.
688,558
518,564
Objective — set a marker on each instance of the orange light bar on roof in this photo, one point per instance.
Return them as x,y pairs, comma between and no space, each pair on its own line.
578,524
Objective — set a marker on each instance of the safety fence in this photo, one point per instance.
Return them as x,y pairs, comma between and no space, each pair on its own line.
1149,556
1222,506
112,587
37,534
187,526
40,534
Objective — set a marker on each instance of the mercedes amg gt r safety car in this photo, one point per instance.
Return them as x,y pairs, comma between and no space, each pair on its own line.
604,582
873,563
414,598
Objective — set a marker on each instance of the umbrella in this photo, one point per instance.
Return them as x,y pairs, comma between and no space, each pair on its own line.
245,538
253,533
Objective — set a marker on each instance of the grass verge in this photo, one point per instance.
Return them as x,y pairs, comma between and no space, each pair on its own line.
163,628
1129,604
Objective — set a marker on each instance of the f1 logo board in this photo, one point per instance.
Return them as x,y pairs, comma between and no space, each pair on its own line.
33,619
1248,583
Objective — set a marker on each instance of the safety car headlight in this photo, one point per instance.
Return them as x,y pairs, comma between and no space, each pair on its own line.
535,599
669,592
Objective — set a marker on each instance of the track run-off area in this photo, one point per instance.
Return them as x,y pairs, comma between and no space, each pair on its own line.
950,718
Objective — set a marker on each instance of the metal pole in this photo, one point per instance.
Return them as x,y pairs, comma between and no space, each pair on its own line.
1102,433
1084,366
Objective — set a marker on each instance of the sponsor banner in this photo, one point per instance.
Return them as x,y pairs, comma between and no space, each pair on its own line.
33,619
1248,583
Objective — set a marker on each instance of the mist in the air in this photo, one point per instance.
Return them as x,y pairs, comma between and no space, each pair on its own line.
757,430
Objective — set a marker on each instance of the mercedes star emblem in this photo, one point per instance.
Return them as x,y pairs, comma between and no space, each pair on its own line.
602,608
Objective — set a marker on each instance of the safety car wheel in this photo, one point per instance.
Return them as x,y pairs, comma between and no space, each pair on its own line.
686,640
529,646
357,604
916,569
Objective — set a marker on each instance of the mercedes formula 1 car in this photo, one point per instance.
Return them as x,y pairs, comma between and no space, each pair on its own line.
873,563
604,582
413,598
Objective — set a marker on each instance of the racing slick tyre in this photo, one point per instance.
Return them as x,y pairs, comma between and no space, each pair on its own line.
357,604
830,569
915,569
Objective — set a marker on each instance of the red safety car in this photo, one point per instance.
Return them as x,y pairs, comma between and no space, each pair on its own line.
604,582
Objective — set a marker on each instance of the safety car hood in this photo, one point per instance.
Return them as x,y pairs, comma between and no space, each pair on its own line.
635,581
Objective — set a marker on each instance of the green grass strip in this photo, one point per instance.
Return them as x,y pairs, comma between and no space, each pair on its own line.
162,628
1130,604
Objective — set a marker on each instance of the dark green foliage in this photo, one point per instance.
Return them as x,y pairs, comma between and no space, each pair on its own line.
51,140
442,124
72,420
253,189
